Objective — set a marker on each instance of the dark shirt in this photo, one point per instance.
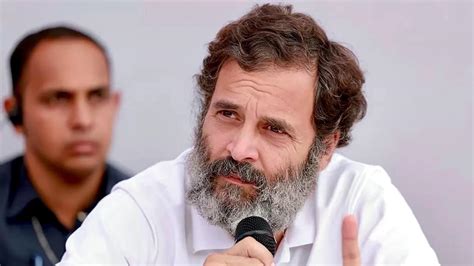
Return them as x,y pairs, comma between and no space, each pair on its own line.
20,205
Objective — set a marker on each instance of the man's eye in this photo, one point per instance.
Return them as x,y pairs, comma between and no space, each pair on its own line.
227,113
276,130
99,95
58,98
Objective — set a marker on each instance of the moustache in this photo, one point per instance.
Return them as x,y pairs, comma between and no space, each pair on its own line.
243,170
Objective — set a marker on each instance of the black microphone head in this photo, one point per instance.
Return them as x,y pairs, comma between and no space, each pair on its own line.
259,229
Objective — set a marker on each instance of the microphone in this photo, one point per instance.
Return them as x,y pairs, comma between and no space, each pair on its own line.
259,229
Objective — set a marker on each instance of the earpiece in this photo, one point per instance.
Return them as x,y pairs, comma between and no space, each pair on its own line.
15,116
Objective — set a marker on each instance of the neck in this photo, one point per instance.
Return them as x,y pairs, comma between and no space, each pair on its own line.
63,193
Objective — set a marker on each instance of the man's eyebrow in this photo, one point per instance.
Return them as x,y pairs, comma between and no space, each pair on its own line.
279,123
98,88
223,104
52,91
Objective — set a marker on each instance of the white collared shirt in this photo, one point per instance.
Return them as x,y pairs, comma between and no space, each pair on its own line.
146,221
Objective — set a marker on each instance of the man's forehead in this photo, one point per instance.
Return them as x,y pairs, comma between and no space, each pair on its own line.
232,65
60,56
78,66
57,45
76,89
293,79
287,92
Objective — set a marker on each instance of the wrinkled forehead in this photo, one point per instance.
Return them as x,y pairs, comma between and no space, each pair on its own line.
294,81
307,63
286,92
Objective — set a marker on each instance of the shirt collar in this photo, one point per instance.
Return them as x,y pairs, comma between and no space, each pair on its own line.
25,201
301,232
304,228
206,236
22,191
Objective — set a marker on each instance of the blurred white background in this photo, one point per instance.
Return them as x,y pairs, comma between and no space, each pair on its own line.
417,56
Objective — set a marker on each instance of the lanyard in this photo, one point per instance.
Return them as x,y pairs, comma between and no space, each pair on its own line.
44,241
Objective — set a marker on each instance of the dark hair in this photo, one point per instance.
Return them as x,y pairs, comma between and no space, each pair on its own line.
23,50
274,35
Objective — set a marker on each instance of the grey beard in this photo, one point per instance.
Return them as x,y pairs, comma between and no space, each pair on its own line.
278,201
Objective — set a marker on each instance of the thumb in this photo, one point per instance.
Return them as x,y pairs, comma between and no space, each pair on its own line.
350,245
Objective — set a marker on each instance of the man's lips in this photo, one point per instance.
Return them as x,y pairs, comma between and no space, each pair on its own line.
82,147
234,179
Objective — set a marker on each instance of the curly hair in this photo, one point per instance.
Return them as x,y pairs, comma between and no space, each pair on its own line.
274,35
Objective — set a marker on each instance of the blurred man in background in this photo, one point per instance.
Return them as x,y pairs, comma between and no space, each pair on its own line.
63,105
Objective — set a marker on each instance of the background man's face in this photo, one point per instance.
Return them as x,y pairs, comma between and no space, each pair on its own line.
68,109
264,118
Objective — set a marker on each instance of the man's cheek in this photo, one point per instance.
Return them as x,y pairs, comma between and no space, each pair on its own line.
214,147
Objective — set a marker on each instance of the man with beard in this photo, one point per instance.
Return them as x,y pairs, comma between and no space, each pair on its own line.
277,98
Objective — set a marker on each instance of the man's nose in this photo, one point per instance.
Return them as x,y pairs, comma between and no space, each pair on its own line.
243,147
81,114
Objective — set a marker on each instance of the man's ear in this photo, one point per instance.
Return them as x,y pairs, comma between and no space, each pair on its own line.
331,145
117,100
9,106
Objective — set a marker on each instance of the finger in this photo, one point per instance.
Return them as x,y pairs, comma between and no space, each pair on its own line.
249,247
350,244
219,259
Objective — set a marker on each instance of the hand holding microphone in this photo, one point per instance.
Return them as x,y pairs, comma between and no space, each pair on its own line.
257,228
255,245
